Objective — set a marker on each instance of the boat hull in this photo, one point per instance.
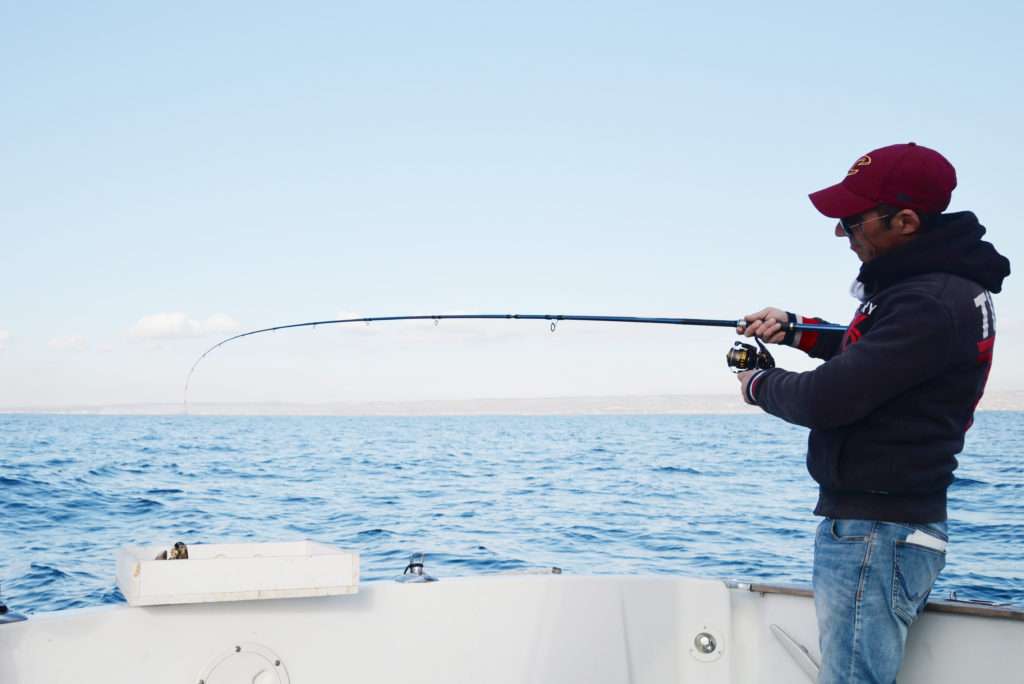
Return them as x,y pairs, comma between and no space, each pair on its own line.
601,629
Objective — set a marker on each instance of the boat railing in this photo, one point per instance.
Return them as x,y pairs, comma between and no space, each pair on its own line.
950,605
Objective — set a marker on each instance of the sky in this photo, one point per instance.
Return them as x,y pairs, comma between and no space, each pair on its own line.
172,174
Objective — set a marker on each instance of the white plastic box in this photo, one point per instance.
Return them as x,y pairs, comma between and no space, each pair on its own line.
236,572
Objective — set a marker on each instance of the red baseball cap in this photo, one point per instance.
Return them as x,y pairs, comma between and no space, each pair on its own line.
908,176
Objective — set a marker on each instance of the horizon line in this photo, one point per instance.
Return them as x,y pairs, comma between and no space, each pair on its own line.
630,404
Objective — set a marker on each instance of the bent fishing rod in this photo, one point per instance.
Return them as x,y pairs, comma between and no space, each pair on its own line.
741,356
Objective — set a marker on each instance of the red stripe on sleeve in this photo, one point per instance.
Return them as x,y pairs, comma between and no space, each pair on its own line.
809,338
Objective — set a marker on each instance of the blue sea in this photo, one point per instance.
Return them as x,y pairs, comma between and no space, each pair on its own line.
712,496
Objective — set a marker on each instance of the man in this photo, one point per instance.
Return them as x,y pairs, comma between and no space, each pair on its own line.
889,407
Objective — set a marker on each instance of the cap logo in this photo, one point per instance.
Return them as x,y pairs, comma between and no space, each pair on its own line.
863,161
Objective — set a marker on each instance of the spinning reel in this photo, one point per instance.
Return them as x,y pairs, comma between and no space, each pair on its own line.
745,357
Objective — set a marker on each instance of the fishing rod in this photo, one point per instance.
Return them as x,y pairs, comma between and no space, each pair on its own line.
741,356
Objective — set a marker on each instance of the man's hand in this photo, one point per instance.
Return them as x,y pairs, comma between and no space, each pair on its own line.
766,324
744,378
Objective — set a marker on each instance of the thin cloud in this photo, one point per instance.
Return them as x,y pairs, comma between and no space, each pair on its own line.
177,325
219,323
4,336
68,343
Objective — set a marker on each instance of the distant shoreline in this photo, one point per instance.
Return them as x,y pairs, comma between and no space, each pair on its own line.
668,404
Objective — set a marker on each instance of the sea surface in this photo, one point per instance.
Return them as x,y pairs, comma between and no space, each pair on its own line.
712,496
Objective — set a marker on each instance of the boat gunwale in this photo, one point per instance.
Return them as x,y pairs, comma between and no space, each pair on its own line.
957,607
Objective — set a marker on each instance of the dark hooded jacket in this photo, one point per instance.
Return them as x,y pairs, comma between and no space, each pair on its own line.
889,408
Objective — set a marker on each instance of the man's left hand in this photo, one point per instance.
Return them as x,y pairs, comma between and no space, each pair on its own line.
744,378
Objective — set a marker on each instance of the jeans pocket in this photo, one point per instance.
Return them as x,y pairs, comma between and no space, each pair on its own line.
843,530
914,571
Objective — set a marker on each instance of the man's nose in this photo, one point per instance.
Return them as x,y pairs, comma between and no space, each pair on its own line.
839,230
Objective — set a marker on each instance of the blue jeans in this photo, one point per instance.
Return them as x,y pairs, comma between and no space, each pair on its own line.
870,583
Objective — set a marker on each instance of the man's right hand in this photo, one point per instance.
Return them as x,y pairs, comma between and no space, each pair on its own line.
766,324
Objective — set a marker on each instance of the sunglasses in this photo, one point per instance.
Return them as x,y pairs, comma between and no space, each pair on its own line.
848,225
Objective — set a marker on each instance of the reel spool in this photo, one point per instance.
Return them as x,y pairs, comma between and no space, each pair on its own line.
745,357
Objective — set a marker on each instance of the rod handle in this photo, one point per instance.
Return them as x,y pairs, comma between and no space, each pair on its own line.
787,326
790,326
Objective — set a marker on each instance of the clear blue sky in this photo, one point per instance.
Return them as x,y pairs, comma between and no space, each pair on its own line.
273,165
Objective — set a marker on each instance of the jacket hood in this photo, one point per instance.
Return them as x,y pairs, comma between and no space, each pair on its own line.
953,245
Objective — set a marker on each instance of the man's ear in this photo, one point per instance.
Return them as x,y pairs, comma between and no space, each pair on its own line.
907,222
